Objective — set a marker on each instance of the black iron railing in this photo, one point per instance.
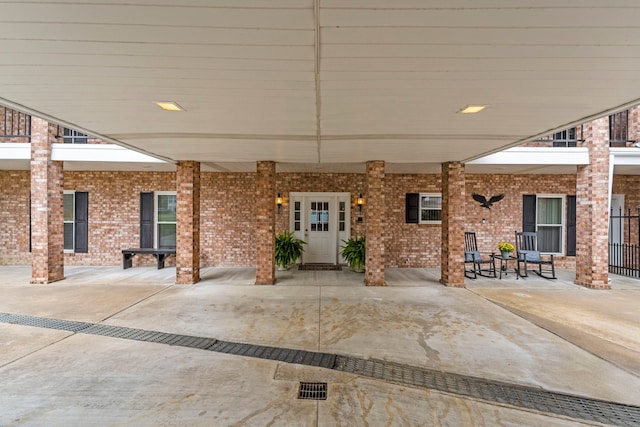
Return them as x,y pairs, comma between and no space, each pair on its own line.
618,133
619,129
624,243
566,138
15,125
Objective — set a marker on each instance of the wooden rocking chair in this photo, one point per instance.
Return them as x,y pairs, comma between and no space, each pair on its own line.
527,253
480,266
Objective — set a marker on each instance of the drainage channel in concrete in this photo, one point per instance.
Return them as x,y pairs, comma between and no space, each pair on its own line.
530,398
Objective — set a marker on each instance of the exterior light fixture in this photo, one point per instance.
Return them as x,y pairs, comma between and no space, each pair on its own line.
472,109
360,202
279,202
169,106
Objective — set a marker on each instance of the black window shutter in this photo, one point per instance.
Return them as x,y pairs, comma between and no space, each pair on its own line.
412,208
529,212
571,225
146,220
81,243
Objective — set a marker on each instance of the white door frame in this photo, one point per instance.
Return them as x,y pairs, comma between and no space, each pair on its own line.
616,231
341,211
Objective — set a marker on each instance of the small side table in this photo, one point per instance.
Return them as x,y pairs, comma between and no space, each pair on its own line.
504,264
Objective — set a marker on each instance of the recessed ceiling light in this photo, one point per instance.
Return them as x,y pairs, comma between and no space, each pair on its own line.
471,109
169,106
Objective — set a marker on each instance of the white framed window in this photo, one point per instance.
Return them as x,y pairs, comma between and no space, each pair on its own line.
550,223
165,219
430,208
71,136
69,220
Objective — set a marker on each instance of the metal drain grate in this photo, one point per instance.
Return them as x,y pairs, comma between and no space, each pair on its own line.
287,355
43,322
312,391
495,391
491,391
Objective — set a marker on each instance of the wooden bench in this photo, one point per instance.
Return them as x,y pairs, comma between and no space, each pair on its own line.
160,254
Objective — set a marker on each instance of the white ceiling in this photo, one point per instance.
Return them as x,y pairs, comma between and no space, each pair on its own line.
309,83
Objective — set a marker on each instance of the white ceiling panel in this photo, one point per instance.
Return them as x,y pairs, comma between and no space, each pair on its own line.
327,82
515,34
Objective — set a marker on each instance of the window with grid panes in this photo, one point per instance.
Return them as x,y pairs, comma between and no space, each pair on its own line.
430,208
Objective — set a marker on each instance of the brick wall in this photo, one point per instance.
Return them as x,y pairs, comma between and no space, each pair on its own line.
227,223
114,213
228,212
14,217
505,217
318,182
410,245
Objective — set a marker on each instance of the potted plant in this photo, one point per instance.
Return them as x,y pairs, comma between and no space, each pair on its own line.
288,249
354,253
505,249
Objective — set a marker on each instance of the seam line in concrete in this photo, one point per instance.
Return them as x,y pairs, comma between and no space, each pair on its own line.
138,302
533,319
522,397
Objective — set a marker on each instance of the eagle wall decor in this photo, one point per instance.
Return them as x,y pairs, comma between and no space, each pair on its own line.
483,200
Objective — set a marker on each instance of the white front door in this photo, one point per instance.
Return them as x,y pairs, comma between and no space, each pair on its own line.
321,220
320,233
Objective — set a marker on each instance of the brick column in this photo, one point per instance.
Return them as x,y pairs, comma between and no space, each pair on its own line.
47,206
592,210
265,223
374,220
188,223
453,224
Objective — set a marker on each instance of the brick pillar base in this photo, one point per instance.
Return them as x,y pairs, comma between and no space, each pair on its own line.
188,223
374,222
453,224
592,210
47,206
265,223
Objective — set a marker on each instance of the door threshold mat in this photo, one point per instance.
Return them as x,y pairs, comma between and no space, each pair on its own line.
320,267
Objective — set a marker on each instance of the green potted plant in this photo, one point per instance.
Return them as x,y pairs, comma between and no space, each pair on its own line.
354,252
505,249
288,249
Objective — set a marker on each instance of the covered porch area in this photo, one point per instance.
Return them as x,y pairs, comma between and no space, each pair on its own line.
548,336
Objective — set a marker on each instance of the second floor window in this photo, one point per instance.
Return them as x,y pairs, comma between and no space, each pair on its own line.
566,138
71,136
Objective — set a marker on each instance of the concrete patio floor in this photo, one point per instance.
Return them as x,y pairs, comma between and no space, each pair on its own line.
549,334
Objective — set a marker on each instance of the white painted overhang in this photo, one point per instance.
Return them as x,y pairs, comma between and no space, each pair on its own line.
532,160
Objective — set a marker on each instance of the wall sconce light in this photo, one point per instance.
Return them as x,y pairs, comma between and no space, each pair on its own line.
360,202
279,202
